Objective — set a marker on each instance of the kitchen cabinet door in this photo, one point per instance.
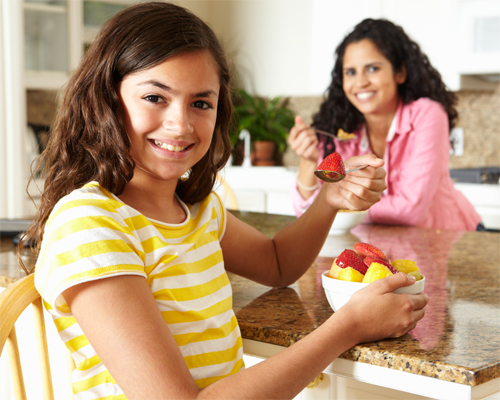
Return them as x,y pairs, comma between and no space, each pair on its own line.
46,43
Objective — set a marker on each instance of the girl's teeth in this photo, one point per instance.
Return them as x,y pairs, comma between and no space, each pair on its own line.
169,147
364,95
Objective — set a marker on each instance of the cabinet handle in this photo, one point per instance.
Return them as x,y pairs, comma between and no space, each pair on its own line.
315,382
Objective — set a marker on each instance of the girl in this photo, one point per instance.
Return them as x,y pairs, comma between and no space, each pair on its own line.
386,92
135,245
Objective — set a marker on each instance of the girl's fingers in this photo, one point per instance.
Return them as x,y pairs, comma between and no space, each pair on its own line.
392,283
374,185
355,203
359,195
366,159
419,301
368,172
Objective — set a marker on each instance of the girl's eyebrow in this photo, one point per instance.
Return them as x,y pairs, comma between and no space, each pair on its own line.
152,82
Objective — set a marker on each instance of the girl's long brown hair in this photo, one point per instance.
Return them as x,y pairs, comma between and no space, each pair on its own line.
88,141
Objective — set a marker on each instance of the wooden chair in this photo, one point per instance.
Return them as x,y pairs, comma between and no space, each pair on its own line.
13,301
226,194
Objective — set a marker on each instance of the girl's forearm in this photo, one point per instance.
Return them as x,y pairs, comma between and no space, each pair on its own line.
298,245
287,373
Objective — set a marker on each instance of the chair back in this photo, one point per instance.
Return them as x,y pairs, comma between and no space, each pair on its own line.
226,194
13,301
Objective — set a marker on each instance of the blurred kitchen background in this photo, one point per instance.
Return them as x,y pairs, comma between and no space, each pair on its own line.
278,48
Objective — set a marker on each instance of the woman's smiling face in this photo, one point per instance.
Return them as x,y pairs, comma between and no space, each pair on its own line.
369,81
170,112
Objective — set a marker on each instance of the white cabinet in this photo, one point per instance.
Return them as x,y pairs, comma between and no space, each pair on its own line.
351,380
287,47
56,33
478,33
46,43
41,42
460,37
258,189
486,200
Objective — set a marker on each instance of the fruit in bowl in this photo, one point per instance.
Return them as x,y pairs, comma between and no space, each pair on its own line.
352,270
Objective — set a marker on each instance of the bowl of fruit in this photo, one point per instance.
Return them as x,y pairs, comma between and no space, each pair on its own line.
346,220
354,269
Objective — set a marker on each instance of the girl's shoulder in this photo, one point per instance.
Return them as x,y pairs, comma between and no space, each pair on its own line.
91,193
80,201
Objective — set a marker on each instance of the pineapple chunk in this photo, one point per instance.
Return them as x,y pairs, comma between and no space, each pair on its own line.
405,266
375,272
350,274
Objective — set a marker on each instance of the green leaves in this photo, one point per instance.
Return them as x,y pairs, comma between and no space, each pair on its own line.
265,119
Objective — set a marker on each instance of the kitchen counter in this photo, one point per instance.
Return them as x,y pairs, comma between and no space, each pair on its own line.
457,341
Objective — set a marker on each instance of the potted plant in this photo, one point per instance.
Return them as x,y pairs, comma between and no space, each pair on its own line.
267,120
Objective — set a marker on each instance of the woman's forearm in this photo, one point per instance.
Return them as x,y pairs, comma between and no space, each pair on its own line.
306,180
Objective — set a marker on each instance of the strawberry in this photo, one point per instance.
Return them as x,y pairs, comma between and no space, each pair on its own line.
365,250
349,258
333,163
370,259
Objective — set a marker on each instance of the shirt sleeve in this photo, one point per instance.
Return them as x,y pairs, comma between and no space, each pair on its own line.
416,169
84,240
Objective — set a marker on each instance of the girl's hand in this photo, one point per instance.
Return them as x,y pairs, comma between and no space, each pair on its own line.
360,189
303,140
377,313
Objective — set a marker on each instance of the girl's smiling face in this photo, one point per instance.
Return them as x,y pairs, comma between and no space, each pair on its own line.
170,112
369,81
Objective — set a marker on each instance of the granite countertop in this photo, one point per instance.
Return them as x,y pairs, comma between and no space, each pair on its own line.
459,338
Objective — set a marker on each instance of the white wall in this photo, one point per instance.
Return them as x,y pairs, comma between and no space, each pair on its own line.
268,40
286,47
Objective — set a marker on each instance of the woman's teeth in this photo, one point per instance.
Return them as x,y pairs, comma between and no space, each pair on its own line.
364,95
169,147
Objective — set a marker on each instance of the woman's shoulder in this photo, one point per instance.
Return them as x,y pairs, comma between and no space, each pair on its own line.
425,105
423,110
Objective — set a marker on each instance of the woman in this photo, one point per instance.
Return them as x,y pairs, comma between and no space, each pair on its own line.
385,91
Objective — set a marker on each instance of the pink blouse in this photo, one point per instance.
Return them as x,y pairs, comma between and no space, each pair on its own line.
419,191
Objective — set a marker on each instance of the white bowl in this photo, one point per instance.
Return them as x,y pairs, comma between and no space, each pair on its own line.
339,292
346,220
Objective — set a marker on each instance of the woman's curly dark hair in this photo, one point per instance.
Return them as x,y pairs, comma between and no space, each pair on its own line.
422,79
88,140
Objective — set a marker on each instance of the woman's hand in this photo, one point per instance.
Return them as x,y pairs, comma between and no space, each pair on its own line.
360,189
303,140
377,313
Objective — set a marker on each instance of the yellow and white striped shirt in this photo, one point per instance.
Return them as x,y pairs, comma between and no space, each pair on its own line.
91,234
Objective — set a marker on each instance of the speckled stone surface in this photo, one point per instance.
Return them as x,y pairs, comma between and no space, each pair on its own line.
459,338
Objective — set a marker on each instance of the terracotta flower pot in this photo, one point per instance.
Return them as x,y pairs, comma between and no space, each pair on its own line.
264,152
